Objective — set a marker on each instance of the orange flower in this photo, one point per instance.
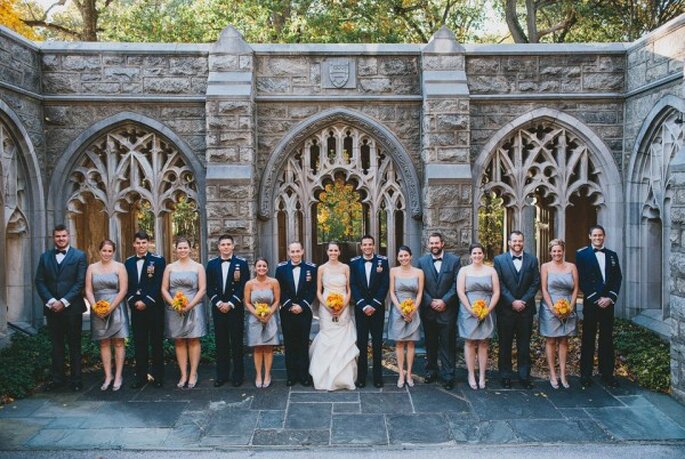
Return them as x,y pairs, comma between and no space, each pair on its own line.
262,310
101,307
480,308
562,308
407,306
335,301
180,302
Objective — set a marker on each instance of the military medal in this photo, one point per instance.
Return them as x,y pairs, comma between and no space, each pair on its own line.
236,274
308,276
151,269
379,268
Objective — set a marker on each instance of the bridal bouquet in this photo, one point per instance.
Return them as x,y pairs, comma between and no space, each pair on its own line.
407,306
335,301
480,308
179,302
562,308
101,307
262,310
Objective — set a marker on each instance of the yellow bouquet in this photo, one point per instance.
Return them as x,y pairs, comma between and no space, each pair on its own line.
562,308
407,306
101,307
262,310
480,308
335,301
179,302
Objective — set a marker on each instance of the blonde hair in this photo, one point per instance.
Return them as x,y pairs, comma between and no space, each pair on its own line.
554,242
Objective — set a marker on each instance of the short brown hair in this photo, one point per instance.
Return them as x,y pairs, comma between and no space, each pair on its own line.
554,242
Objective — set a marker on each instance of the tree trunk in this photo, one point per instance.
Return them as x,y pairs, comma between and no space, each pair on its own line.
89,14
515,28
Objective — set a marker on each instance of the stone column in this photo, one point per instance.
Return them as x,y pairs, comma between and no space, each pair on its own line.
445,141
4,262
231,141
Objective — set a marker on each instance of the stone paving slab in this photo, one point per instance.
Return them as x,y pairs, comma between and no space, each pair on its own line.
484,432
637,423
415,429
545,431
309,416
359,429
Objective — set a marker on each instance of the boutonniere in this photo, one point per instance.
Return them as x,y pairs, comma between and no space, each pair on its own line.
379,267
151,269
236,273
308,276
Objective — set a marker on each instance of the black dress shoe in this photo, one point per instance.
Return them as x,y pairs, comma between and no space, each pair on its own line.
219,382
306,382
378,384
449,385
53,386
506,383
610,381
158,384
237,383
77,387
430,378
137,384
527,384
360,384
289,382
585,383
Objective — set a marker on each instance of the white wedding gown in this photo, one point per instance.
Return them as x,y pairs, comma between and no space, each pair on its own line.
333,353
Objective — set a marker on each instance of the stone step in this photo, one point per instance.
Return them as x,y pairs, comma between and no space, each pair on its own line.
652,320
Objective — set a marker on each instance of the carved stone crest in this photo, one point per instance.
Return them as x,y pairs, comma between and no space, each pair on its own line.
339,73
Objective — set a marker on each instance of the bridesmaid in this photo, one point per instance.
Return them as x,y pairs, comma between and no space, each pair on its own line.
405,282
477,282
559,280
262,332
107,280
188,327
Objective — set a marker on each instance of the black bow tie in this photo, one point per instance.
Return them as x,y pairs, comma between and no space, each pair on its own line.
603,250
368,261
435,260
63,252
225,260
296,265
520,257
140,258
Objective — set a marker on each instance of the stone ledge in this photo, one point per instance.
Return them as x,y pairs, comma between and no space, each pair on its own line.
118,48
446,174
530,49
234,174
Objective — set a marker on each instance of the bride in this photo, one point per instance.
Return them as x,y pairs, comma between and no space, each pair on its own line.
333,353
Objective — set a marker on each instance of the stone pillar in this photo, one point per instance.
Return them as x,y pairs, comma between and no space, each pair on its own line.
4,262
231,142
445,141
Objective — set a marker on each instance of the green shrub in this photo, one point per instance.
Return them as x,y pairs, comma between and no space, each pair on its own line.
23,364
647,358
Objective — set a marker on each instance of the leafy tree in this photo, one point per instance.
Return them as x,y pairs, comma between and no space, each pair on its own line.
10,17
339,213
78,20
490,223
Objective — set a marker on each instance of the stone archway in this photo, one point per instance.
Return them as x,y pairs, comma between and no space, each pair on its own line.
23,221
544,164
364,153
125,165
651,190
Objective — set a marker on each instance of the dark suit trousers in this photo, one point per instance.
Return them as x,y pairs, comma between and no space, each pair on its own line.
63,325
228,329
441,344
595,317
373,324
148,333
296,329
512,325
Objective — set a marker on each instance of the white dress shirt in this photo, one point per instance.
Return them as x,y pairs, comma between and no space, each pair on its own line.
296,276
602,261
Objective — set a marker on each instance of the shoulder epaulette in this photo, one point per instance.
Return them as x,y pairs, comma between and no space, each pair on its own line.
240,258
356,258
132,256
283,263
155,255
212,259
382,257
308,263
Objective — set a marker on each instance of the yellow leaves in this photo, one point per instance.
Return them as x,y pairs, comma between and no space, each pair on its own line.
339,213
9,17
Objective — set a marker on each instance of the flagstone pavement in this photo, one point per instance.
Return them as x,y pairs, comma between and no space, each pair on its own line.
229,418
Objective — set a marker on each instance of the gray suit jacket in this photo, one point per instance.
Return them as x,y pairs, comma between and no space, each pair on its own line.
513,286
441,285
62,280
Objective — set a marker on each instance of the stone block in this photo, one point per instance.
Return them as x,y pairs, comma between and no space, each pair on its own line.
188,65
121,73
603,81
167,85
81,62
489,85
113,59
283,66
223,62
302,111
64,83
375,85
656,72
451,121
397,66
51,61
442,62
156,61
367,66
132,88
91,76
482,65
245,62
100,88
223,155
269,85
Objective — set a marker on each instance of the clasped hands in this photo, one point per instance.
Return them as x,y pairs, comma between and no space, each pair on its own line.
604,302
438,305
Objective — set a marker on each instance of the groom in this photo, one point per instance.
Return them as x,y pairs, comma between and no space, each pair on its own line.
369,282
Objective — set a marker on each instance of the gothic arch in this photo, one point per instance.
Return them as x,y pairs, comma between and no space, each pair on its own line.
60,196
23,217
659,145
392,188
603,181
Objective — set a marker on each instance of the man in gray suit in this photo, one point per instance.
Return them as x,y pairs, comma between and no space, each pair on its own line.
439,310
60,279
519,278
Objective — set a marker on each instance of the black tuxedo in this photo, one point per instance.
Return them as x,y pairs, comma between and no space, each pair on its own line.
148,324
595,287
229,326
59,281
371,293
440,328
522,285
296,327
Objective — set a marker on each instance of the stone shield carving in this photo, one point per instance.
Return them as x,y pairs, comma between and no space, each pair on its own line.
339,73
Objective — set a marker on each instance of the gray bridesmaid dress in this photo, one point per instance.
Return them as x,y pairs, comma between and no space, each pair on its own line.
398,328
192,324
559,285
477,287
115,325
258,333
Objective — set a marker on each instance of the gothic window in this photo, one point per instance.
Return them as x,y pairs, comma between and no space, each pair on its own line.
128,179
542,173
339,161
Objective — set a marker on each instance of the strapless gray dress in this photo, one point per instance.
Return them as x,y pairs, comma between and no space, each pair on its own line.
477,287
258,333
192,324
398,328
115,325
559,285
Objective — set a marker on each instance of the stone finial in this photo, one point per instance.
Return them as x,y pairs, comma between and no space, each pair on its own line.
444,42
231,42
